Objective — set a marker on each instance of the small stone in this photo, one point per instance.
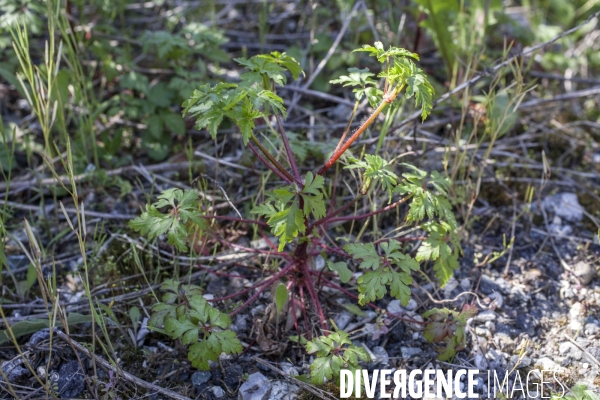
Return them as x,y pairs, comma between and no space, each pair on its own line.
289,369
394,307
570,350
415,325
465,283
343,319
13,370
481,331
257,387
408,352
576,310
381,356
218,392
480,362
547,364
585,272
504,338
565,205
486,316
201,377
591,329
498,299
449,287
412,305
70,381
284,391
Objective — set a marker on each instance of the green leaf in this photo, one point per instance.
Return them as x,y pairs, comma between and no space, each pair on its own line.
365,252
382,55
342,269
26,327
333,352
312,194
419,86
437,248
376,169
372,285
186,330
183,208
281,297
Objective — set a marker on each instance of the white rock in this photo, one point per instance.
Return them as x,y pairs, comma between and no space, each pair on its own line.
218,392
343,319
257,387
486,316
585,272
408,352
450,286
395,307
465,283
565,205
499,300
547,364
284,391
412,305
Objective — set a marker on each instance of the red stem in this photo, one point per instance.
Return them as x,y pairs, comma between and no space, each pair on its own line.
361,216
288,149
264,287
338,153
308,283
328,217
226,218
288,179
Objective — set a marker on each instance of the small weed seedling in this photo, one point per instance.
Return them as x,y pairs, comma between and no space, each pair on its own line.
300,207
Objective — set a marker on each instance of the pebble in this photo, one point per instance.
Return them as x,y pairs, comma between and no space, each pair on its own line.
381,356
257,387
480,362
13,370
69,380
408,352
450,286
465,283
585,272
486,316
284,391
201,377
591,329
218,392
343,319
570,350
498,299
395,307
481,331
289,369
576,310
547,364
412,305
565,205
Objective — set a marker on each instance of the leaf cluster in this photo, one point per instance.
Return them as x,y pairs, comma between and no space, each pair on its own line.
442,245
448,327
376,169
334,352
288,208
243,104
366,86
177,223
185,314
403,72
391,269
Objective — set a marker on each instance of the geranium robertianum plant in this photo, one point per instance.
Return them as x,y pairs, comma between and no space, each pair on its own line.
300,206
